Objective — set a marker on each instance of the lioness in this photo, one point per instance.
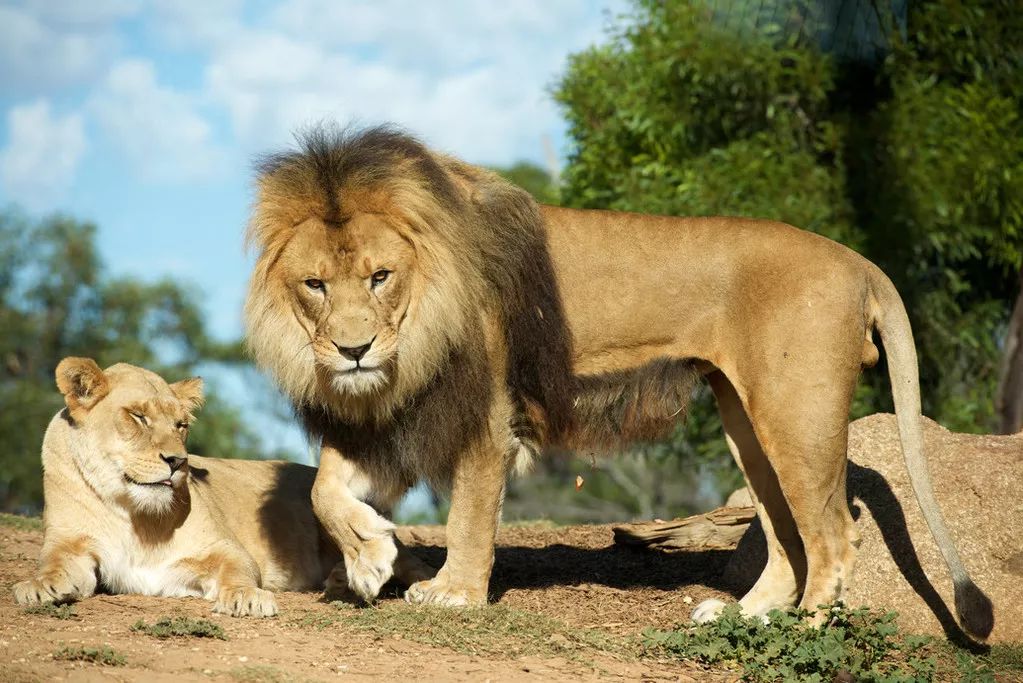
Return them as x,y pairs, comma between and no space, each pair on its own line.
429,320
127,509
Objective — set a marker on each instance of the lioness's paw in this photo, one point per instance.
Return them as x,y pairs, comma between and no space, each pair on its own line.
708,611
437,591
58,588
247,601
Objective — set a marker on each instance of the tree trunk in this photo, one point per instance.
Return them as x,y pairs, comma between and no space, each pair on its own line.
1009,401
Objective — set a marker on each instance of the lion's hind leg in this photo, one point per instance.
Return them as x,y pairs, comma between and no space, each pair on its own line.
782,579
803,429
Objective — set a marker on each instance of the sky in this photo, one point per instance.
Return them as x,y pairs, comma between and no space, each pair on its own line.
145,117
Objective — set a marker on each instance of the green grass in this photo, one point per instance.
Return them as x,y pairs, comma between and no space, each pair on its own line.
21,523
105,656
65,611
171,627
857,644
489,631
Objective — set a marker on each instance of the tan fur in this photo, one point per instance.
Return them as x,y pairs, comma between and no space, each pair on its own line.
227,530
506,329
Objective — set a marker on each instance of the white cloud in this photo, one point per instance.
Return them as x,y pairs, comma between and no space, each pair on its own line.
158,129
469,75
42,154
46,45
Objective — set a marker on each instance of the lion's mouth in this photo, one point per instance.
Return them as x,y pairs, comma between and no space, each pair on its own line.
162,482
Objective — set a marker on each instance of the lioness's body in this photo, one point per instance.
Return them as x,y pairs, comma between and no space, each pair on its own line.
227,530
430,321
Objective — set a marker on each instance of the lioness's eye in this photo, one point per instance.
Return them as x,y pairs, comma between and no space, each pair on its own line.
313,283
140,418
379,277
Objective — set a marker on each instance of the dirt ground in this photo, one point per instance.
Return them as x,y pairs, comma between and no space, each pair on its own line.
571,606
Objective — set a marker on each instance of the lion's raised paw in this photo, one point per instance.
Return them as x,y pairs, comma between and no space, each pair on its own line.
247,601
370,566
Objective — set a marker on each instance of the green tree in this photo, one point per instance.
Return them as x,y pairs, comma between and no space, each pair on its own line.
57,301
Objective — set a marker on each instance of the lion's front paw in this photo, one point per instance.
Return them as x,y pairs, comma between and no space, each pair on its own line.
247,601
438,591
369,563
58,588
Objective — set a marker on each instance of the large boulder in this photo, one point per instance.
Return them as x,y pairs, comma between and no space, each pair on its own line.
978,481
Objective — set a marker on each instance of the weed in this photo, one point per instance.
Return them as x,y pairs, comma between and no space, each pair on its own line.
168,627
65,611
105,656
21,523
855,644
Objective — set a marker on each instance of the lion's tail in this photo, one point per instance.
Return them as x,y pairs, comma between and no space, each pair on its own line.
890,319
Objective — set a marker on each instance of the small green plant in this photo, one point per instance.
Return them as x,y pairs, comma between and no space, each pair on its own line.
65,611
105,656
21,523
854,644
169,627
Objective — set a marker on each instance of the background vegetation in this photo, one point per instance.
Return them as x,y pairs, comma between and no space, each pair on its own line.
893,128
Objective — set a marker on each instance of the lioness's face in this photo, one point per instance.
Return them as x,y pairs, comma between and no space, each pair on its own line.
129,429
350,287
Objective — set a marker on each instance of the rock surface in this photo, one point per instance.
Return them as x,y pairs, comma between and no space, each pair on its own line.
978,481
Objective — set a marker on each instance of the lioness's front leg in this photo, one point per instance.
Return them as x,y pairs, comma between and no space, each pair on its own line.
230,577
476,496
365,538
67,572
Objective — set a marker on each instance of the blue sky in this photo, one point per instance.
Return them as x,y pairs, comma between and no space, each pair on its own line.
144,117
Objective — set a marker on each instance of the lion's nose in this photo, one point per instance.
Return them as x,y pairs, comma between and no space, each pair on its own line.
175,461
354,352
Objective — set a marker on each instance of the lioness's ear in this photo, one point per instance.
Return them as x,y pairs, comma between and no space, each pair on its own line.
189,392
83,384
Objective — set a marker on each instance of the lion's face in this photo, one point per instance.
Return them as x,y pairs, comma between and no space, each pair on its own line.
129,430
350,288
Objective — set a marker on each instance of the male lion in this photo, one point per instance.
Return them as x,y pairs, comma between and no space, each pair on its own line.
429,321
129,510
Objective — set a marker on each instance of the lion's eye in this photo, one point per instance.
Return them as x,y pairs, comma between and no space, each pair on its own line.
183,426
313,283
379,277
140,418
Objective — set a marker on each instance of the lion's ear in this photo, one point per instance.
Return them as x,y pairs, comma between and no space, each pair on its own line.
189,392
83,384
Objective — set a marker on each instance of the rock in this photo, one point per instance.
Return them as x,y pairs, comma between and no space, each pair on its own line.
978,481
717,529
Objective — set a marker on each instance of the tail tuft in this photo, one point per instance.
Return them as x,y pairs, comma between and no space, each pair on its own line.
976,614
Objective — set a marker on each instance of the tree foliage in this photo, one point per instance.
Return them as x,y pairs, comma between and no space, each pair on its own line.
56,300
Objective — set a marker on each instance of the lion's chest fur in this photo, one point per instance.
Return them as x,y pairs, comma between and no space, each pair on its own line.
129,564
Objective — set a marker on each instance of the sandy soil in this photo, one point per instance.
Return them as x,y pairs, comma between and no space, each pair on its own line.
573,574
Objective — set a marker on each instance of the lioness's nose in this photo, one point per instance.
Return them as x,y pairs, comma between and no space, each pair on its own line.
354,352
175,461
